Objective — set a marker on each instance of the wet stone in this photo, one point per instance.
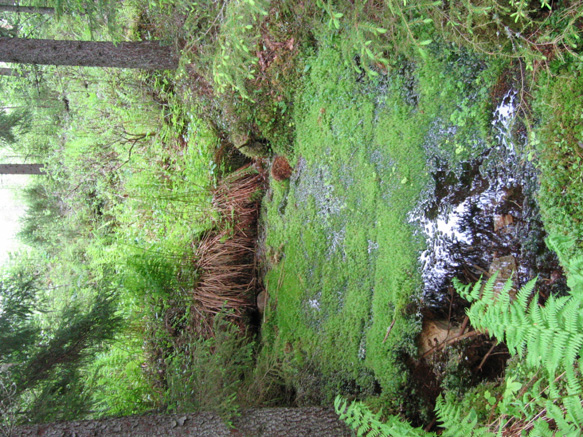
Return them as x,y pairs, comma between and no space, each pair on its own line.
504,267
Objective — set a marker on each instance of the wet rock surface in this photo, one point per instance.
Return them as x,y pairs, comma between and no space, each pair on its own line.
478,218
479,213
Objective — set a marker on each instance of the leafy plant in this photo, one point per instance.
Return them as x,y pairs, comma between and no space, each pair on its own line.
207,375
236,61
8,404
545,339
361,419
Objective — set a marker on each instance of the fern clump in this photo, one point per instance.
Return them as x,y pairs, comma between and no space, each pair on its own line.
550,336
547,341
361,419
457,421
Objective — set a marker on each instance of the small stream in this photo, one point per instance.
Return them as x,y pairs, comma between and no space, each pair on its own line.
476,218
482,216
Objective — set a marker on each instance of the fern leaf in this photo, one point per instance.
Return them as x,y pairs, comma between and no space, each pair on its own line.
574,410
564,426
541,428
572,350
524,293
488,291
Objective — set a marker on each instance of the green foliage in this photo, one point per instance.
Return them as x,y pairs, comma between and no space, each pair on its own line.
457,421
116,378
339,241
72,340
207,375
8,404
41,214
547,341
529,30
558,140
99,13
548,336
131,162
373,35
9,122
361,419
349,266
18,295
236,61
45,364
152,274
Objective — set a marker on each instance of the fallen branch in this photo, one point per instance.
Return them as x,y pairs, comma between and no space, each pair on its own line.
487,355
453,340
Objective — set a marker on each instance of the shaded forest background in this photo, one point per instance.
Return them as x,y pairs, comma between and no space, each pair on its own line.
155,277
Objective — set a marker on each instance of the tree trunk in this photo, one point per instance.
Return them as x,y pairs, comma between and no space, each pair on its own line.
147,55
25,9
21,169
9,72
293,422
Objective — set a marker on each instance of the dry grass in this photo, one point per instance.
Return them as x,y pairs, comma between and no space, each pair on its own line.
225,256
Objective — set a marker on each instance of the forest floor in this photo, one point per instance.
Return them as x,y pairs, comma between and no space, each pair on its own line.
394,192
419,155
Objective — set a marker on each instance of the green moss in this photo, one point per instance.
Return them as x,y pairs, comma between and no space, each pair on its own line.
559,138
349,265
345,244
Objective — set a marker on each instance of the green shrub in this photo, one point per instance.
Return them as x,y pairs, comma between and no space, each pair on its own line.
236,61
207,375
361,419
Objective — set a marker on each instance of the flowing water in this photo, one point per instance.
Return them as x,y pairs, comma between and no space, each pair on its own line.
482,216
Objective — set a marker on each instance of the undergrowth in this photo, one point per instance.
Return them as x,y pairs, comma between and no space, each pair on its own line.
341,251
363,98
541,393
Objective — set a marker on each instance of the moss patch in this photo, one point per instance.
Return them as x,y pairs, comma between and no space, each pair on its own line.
559,142
343,254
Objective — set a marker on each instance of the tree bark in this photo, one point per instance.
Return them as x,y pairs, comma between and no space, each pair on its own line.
147,55
293,422
21,169
27,9
9,72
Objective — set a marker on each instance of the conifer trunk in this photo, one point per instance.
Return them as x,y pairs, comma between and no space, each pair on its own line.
27,9
147,55
21,169
293,422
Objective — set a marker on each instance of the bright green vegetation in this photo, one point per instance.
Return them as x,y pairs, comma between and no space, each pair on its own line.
558,140
343,251
128,192
348,267
541,385
102,317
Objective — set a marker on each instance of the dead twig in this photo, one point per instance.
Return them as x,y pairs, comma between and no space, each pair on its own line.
389,329
487,355
464,324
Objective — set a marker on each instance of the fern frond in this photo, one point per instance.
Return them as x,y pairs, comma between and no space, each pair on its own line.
488,291
574,410
549,338
456,421
564,425
465,292
524,293
541,428
361,419
574,386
